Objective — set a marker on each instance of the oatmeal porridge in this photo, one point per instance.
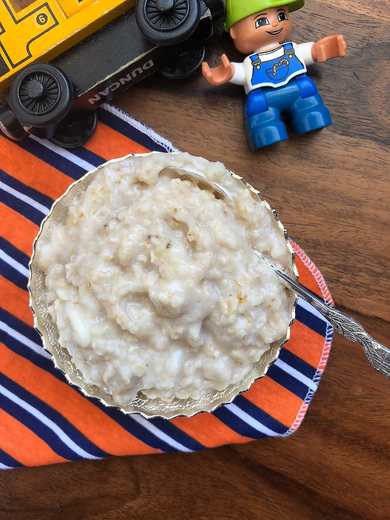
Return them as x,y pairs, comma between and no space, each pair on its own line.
153,283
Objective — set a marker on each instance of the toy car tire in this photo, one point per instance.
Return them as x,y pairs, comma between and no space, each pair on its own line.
9,125
168,22
184,64
75,129
40,96
217,8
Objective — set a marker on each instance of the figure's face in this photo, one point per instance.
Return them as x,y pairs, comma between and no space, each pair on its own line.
264,29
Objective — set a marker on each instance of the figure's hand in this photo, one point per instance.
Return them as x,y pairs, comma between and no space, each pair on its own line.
330,47
218,75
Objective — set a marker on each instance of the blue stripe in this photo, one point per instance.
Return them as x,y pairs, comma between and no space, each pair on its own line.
297,363
135,429
72,432
88,156
289,382
310,320
259,414
9,271
21,207
8,460
13,275
129,131
23,351
177,434
11,250
236,424
57,161
22,188
42,431
21,327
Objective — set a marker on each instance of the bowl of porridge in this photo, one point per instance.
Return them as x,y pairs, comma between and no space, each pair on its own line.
147,290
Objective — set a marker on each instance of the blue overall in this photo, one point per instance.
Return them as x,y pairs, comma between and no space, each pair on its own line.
282,89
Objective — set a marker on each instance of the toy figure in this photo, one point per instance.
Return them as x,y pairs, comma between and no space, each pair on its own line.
274,73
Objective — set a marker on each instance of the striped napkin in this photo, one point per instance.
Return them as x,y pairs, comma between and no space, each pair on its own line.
44,420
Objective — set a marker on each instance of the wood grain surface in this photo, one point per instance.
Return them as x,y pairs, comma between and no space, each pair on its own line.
333,192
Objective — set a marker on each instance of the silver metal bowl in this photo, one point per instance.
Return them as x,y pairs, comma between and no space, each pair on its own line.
209,400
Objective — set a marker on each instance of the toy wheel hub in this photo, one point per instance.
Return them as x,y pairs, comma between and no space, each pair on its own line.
166,15
39,93
35,89
165,5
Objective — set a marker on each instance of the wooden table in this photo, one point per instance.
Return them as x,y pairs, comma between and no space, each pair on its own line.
333,191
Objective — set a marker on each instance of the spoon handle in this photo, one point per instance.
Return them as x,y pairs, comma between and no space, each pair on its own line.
377,354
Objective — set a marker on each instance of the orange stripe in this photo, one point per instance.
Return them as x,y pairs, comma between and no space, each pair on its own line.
86,417
27,168
110,144
275,400
306,277
306,344
17,229
15,301
24,445
209,430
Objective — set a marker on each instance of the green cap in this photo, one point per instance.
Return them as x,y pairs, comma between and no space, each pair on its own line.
237,10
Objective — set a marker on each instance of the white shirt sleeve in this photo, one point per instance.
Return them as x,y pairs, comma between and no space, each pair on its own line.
304,52
239,76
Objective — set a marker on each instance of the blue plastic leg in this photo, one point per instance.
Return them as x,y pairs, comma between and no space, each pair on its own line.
310,114
263,122
306,86
266,129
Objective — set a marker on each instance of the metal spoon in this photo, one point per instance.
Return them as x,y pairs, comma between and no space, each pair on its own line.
378,355
200,178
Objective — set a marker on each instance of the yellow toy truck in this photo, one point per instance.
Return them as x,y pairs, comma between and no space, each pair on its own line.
60,59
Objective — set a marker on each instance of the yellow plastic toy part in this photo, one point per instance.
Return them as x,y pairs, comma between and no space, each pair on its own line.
39,30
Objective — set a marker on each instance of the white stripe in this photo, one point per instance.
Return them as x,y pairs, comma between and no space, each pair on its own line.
158,433
3,466
64,153
296,374
254,423
21,196
139,126
47,422
13,263
26,341
311,309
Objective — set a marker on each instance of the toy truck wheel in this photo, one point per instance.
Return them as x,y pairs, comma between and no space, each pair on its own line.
185,63
168,22
9,125
40,96
75,129
217,8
